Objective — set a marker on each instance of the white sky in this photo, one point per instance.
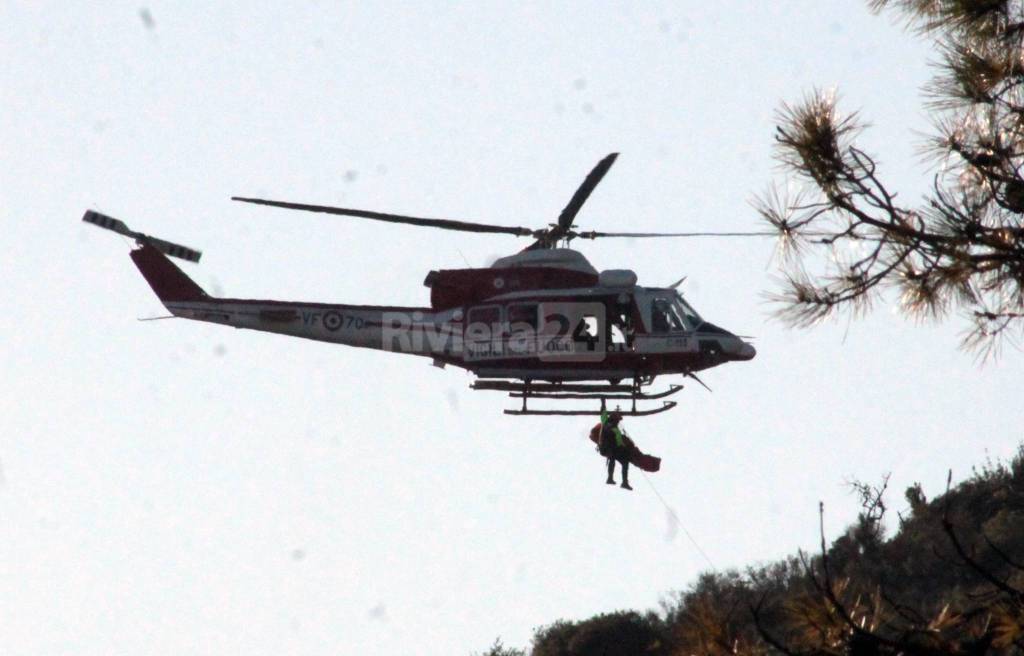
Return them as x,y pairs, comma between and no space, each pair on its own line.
174,487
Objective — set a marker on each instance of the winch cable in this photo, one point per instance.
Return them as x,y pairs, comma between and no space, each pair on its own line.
675,518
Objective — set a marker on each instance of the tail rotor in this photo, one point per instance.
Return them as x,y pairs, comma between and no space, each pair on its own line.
162,245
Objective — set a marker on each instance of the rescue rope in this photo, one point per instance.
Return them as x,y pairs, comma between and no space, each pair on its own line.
675,518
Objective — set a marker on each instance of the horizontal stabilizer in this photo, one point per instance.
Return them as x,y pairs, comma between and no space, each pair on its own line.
162,245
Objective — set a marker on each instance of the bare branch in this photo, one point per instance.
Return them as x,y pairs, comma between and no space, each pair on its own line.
964,248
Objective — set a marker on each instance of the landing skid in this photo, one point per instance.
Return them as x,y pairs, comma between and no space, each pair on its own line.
666,406
580,391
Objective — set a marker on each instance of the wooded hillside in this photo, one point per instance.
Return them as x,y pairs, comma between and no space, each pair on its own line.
949,581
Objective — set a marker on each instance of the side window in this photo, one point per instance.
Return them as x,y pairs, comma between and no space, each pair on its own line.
484,323
522,328
618,337
522,316
620,324
586,332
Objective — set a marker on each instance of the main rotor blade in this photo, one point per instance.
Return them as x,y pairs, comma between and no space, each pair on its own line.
446,224
593,234
582,194
569,212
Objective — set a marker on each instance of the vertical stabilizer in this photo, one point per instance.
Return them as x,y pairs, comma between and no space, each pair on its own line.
168,281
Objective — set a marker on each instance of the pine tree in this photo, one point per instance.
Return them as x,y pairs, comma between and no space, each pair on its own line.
962,248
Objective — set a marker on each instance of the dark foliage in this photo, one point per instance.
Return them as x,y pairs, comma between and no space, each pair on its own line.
614,634
949,582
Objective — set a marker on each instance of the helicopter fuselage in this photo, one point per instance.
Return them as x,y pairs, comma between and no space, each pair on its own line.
544,314
505,325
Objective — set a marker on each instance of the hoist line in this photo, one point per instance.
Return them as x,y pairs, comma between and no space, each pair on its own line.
678,522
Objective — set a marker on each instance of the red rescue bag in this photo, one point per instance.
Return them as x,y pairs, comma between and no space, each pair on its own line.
636,457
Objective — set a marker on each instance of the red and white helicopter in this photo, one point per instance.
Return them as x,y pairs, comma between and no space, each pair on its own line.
540,324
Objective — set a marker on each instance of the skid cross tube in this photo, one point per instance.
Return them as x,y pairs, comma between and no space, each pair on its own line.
511,386
641,396
528,389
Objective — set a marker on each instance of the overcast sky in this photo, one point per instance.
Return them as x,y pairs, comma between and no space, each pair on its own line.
174,487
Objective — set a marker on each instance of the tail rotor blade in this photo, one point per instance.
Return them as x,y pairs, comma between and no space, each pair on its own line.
109,223
164,246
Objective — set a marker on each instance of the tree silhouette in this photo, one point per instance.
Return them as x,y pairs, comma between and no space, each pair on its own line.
963,247
499,649
625,633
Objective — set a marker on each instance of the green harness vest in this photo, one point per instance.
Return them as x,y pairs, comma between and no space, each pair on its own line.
616,431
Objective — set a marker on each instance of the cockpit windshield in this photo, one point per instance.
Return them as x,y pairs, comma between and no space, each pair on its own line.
689,314
670,313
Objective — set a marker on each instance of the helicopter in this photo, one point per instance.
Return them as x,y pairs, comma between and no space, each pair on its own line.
542,323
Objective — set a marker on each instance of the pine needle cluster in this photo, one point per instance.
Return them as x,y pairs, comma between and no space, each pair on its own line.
845,237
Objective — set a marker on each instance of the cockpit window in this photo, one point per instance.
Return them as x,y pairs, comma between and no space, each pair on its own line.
670,313
690,315
665,317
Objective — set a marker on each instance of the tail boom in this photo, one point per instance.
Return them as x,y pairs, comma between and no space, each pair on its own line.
366,326
353,325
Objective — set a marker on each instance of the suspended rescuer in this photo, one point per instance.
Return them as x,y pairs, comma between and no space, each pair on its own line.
613,443
612,446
